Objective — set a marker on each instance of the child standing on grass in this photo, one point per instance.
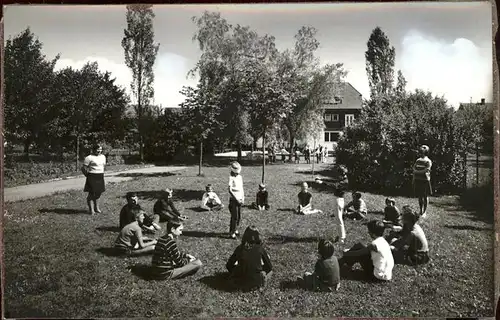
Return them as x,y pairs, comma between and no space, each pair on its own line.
305,205
412,246
210,200
168,262
261,199
130,240
356,209
236,198
249,266
127,216
376,259
165,208
422,179
326,275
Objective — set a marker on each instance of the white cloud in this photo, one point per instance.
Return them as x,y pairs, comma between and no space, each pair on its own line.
457,70
170,75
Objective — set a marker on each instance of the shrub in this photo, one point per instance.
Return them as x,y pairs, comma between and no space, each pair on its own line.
380,149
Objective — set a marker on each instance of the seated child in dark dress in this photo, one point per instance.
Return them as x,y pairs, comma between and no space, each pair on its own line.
126,215
249,266
412,247
261,199
326,275
392,219
165,208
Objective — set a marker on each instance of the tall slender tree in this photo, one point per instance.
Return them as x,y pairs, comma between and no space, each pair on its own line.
140,55
401,84
380,59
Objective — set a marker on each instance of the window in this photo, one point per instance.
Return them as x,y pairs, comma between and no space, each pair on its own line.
335,117
328,117
349,119
331,136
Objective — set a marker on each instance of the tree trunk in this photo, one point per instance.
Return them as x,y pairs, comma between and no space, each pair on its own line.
263,156
313,156
477,165
77,168
239,151
27,144
292,141
465,170
201,157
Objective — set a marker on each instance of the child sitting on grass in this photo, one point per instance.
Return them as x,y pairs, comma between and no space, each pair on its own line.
168,262
166,209
326,275
356,209
305,197
130,240
392,216
210,200
249,266
126,215
376,259
261,199
412,247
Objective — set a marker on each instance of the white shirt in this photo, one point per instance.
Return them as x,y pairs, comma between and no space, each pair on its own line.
236,187
95,164
382,259
210,197
338,211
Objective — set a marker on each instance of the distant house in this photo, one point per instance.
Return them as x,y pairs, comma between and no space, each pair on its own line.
482,103
340,111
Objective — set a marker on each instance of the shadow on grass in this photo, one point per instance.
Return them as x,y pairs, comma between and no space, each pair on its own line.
198,209
112,252
288,239
108,228
290,285
146,175
143,271
286,209
468,228
479,201
178,194
202,234
218,281
63,211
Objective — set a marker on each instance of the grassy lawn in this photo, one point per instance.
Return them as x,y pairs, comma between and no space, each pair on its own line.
57,262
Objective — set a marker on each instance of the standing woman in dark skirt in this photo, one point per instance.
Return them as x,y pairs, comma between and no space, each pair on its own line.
93,169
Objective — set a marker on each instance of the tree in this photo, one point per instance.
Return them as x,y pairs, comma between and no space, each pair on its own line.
308,83
380,60
140,55
201,111
28,81
401,84
90,107
227,54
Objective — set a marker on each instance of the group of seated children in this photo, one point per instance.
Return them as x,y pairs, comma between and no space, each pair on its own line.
405,245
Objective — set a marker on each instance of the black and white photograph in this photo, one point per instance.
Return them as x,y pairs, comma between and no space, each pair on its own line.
266,160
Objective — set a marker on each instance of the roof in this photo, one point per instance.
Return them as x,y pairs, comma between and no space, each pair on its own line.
342,93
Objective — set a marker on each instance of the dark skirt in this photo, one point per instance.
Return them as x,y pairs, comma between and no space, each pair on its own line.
95,183
423,188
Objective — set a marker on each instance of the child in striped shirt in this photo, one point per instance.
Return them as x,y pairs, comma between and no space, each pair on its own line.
168,262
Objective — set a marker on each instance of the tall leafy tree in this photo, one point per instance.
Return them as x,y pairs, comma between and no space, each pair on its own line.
140,55
380,60
28,78
90,107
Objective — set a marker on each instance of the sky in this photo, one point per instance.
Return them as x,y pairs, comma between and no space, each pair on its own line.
445,48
